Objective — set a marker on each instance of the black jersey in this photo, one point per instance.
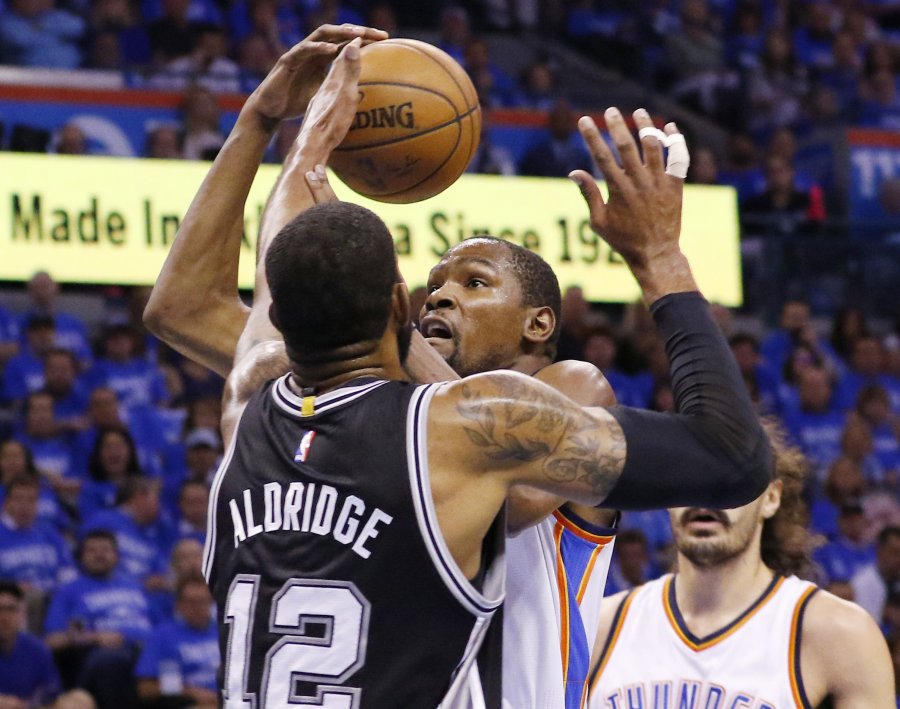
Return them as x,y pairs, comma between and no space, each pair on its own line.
333,583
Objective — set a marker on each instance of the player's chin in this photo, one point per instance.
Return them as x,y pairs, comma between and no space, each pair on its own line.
444,346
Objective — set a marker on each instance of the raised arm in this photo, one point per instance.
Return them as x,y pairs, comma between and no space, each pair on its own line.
195,306
712,453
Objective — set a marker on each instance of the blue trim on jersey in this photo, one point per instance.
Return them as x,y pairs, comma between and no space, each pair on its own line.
576,555
682,625
579,521
796,658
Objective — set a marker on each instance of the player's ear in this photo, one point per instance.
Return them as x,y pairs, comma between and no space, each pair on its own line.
400,306
771,499
539,324
273,316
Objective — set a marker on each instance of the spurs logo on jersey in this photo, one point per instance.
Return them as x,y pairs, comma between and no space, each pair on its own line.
325,559
652,661
557,573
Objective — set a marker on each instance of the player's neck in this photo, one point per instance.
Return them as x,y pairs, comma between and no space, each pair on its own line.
711,597
530,364
381,360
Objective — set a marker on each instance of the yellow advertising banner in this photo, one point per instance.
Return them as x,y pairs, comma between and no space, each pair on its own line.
112,220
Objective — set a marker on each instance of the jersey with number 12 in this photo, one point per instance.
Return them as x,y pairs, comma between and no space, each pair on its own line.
333,583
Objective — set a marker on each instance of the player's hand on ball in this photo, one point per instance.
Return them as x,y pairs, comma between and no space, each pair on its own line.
332,109
320,186
298,73
641,219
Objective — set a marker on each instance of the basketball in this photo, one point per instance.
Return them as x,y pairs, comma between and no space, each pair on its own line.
417,125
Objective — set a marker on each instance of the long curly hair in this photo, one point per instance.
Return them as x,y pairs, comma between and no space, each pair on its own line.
786,542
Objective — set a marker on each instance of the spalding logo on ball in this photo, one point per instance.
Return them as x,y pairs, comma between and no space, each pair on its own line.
417,125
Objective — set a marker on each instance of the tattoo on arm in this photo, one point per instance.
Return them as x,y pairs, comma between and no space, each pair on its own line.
522,424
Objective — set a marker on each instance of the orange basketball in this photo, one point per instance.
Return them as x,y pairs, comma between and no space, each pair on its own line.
417,125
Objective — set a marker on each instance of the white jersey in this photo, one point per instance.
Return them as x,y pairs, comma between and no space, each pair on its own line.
556,573
651,660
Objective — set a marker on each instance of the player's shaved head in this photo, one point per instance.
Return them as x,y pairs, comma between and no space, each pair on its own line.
331,271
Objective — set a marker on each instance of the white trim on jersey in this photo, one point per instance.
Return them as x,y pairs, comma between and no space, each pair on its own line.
209,547
290,401
478,603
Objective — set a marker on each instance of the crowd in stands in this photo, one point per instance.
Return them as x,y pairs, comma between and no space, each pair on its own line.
109,444
109,440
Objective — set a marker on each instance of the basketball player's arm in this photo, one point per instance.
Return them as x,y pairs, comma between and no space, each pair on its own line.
713,451
844,656
327,120
260,354
585,385
195,306
608,609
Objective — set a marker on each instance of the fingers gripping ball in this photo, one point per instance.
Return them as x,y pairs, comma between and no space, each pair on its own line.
417,125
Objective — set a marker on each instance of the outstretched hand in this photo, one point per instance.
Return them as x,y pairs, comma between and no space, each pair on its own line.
298,73
332,109
641,219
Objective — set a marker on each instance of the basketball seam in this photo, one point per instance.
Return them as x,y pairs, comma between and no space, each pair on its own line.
470,109
400,139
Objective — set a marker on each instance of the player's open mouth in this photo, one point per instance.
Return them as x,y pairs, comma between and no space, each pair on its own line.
435,328
703,517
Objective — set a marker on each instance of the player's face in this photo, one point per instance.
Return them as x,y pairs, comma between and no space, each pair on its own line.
473,315
708,537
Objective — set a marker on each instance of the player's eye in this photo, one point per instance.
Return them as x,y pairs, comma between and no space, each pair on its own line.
475,283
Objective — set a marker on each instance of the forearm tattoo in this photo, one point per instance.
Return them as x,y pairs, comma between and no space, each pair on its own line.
519,423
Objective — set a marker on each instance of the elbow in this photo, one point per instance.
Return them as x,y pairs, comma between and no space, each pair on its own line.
752,476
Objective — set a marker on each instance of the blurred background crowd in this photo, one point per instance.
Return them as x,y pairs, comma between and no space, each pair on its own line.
109,439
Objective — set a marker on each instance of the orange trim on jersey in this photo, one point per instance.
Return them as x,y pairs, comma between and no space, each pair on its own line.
793,649
562,587
585,580
747,615
612,638
581,532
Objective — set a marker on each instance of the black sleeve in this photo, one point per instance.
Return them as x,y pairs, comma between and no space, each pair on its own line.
713,452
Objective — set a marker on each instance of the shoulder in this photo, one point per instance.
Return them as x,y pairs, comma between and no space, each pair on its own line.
581,381
843,650
611,609
832,620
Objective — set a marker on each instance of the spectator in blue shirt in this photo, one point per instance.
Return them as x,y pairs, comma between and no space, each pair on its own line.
34,33
841,558
136,381
795,326
142,423
873,407
182,657
16,461
97,624
71,333
143,537
867,364
28,677
186,560
24,373
70,398
816,426
32,554
52,452
845,483
632,564
113,460
193,503
561,151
